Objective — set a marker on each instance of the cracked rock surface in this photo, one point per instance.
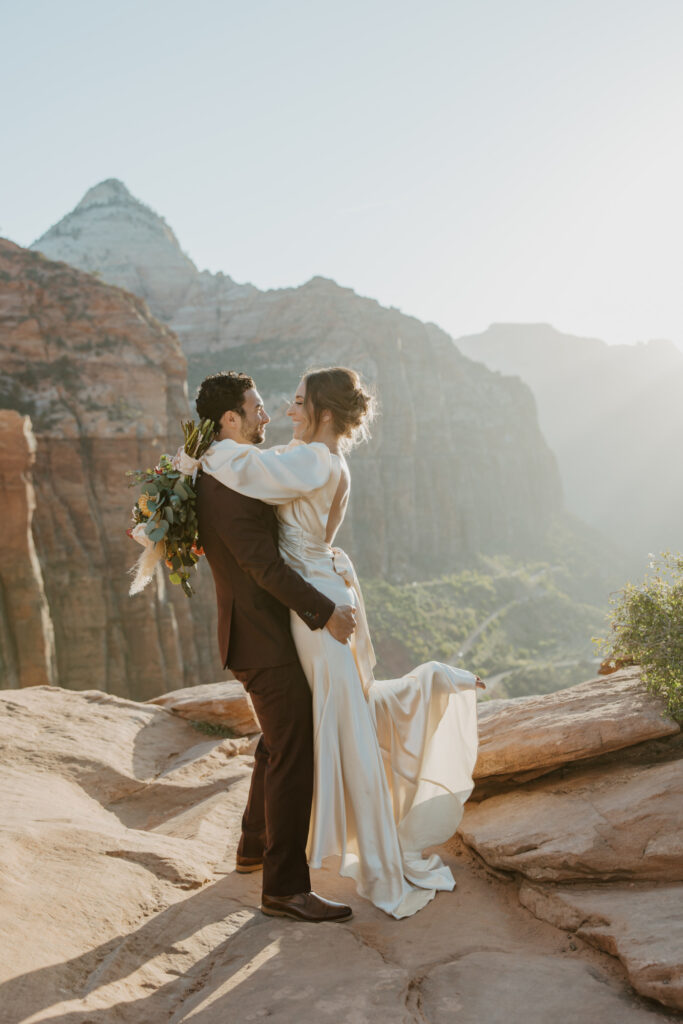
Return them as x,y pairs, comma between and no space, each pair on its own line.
616,822
120,902
641,924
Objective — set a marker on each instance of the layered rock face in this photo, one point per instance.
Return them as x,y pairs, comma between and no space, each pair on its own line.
124,820
26,629
612,414
104,385
457,465
597,839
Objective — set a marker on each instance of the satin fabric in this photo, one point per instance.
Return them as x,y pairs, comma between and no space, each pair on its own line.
393,758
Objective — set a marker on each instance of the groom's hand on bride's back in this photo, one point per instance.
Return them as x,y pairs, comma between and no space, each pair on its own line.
342,622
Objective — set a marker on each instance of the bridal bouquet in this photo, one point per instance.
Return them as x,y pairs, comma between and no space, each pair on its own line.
164,516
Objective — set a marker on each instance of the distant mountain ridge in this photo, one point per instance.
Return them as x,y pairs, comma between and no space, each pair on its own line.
613,415
457,465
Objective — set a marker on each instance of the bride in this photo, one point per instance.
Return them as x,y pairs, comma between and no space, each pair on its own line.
394,758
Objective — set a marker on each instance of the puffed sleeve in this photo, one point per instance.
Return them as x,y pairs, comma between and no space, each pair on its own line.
274,475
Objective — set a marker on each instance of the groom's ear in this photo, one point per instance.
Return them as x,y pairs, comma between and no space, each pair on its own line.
227,422
229,418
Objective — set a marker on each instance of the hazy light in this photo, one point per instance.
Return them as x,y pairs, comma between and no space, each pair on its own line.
468,163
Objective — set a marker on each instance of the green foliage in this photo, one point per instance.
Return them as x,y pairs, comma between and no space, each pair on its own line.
511,623
545,677
647,628
213,729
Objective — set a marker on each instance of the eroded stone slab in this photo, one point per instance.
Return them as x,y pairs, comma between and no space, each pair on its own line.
501,988
530,734
642,925
224,703
604,822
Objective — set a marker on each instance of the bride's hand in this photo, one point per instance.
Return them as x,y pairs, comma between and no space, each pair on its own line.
480,684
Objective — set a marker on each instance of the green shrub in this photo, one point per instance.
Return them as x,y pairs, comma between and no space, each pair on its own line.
647,629
214,729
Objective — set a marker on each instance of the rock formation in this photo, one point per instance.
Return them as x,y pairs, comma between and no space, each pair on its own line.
597,841
104,385
226,703
120,902
641,924
26,629
538,734
112,234
612,415
457,465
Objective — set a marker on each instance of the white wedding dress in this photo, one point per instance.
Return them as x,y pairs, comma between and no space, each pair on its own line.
393,758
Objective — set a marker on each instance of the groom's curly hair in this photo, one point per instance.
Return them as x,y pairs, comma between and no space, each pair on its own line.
220,393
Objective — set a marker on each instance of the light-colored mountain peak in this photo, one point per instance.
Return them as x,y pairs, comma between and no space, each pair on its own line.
107,192
122,239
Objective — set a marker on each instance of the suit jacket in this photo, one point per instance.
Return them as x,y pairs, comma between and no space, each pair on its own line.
254,586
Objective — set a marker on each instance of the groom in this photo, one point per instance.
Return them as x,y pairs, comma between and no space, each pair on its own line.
255,590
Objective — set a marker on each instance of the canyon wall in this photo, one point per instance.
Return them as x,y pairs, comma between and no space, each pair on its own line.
104,385
26,628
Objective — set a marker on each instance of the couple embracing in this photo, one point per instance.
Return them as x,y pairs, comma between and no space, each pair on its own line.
372,771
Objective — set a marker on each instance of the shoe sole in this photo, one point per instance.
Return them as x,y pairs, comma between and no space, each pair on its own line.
307,920
246,869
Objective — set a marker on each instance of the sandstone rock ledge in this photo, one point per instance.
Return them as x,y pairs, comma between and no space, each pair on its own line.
225,703
607,812
120,904
537,734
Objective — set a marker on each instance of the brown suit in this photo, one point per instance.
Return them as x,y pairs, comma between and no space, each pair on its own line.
254,590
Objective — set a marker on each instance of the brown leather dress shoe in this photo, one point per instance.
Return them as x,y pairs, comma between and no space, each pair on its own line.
245,865
305,906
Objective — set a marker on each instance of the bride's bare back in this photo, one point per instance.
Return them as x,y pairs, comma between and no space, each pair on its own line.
338,507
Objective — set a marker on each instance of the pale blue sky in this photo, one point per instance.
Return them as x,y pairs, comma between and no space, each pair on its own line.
468,162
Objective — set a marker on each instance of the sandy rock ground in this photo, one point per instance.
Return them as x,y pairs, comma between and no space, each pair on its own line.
120,902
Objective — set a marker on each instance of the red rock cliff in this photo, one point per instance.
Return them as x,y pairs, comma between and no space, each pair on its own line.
104,384
26,632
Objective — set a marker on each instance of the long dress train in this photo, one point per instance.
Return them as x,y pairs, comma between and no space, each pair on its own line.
393,758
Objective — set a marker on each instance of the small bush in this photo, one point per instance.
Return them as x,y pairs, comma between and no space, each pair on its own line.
647,629
214,729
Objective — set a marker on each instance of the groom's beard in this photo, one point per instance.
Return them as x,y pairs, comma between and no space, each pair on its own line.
254,434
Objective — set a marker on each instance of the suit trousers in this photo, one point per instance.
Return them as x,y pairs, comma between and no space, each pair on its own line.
277,816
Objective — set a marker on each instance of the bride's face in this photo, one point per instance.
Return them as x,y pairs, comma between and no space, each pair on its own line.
302,428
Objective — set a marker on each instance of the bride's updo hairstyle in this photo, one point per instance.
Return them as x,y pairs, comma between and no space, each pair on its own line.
341,392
